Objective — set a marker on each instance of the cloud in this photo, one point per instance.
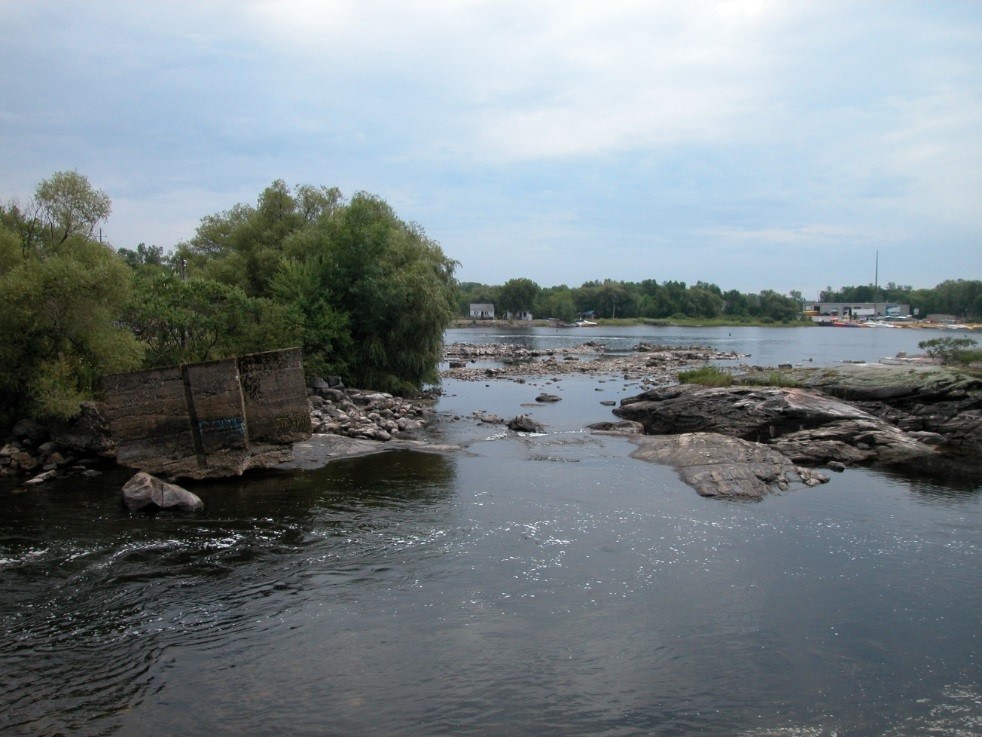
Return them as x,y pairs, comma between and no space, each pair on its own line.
574,140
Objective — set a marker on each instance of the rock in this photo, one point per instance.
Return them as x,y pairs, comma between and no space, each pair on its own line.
725,467
146,493
524,423
41,477
836,466
544,397
89,432
806,427
30,430
23,461
624,427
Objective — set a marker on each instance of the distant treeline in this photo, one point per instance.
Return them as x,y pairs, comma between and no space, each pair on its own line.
645,299
650,299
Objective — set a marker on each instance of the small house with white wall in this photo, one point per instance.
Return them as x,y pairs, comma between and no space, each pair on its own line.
482,311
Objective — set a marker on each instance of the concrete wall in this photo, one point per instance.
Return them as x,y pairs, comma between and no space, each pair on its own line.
210,419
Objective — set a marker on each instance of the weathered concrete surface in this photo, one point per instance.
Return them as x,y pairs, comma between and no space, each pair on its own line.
725,467
809,427
146,493
211,419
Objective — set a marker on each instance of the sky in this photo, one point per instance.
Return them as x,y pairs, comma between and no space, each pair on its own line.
755,144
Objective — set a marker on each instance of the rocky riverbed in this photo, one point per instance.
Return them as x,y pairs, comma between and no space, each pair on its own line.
830,417
646,362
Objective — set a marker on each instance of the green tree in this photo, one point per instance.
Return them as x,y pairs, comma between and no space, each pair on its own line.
60,331
396,289
185,321
517,295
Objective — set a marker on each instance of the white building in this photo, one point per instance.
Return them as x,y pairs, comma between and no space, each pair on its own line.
482,311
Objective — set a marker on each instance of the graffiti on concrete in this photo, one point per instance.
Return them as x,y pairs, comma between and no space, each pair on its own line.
217,418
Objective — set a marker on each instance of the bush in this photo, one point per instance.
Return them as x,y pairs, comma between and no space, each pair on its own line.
952,350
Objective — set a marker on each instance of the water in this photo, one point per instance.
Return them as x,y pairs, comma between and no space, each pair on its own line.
768,346
541,586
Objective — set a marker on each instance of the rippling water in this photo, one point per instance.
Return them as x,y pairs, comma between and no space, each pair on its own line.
546,585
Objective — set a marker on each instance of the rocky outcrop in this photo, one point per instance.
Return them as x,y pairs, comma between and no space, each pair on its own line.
88,433
725,467
21,455
807,427
937,404
146,493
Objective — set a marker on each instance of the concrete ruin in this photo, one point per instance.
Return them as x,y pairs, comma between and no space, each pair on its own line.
209,420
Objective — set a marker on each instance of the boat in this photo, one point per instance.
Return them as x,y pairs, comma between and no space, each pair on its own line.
585,324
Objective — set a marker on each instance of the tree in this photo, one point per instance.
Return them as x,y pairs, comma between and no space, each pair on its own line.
517,295
64,206
396,288
185,321
60,329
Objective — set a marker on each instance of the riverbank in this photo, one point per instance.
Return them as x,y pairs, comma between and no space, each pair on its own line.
697,322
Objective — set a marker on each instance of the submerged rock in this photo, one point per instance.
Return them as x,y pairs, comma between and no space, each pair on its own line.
725,467
524,423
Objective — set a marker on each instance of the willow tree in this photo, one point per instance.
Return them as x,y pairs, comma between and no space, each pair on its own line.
396,288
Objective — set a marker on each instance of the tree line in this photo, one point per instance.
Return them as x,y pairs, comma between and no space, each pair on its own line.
676,299
645,299
365,294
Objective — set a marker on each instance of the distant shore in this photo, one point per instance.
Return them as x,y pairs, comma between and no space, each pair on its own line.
692,322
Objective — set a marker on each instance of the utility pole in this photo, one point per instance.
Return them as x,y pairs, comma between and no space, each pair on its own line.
876,285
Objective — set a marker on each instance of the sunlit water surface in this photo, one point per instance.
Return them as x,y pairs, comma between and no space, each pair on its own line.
530,585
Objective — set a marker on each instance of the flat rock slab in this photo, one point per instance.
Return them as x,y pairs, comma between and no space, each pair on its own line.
725,467
321,449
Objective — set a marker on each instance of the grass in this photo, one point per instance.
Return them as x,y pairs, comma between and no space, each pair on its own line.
706,376
712,376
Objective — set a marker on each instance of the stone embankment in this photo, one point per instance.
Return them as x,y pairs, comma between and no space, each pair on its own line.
653,363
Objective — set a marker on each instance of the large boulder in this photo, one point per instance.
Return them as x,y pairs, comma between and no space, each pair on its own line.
88,433
725,467
809,427
30,431
146,493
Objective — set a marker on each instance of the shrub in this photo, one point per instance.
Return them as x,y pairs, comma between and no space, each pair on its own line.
952,350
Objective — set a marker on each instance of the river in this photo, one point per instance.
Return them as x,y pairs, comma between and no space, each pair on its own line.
543,585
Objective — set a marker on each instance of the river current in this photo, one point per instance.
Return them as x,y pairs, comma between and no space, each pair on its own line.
544,585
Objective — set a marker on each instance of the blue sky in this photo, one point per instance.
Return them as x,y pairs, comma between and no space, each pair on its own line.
754,144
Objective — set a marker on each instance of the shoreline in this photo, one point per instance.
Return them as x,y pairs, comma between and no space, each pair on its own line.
465,323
